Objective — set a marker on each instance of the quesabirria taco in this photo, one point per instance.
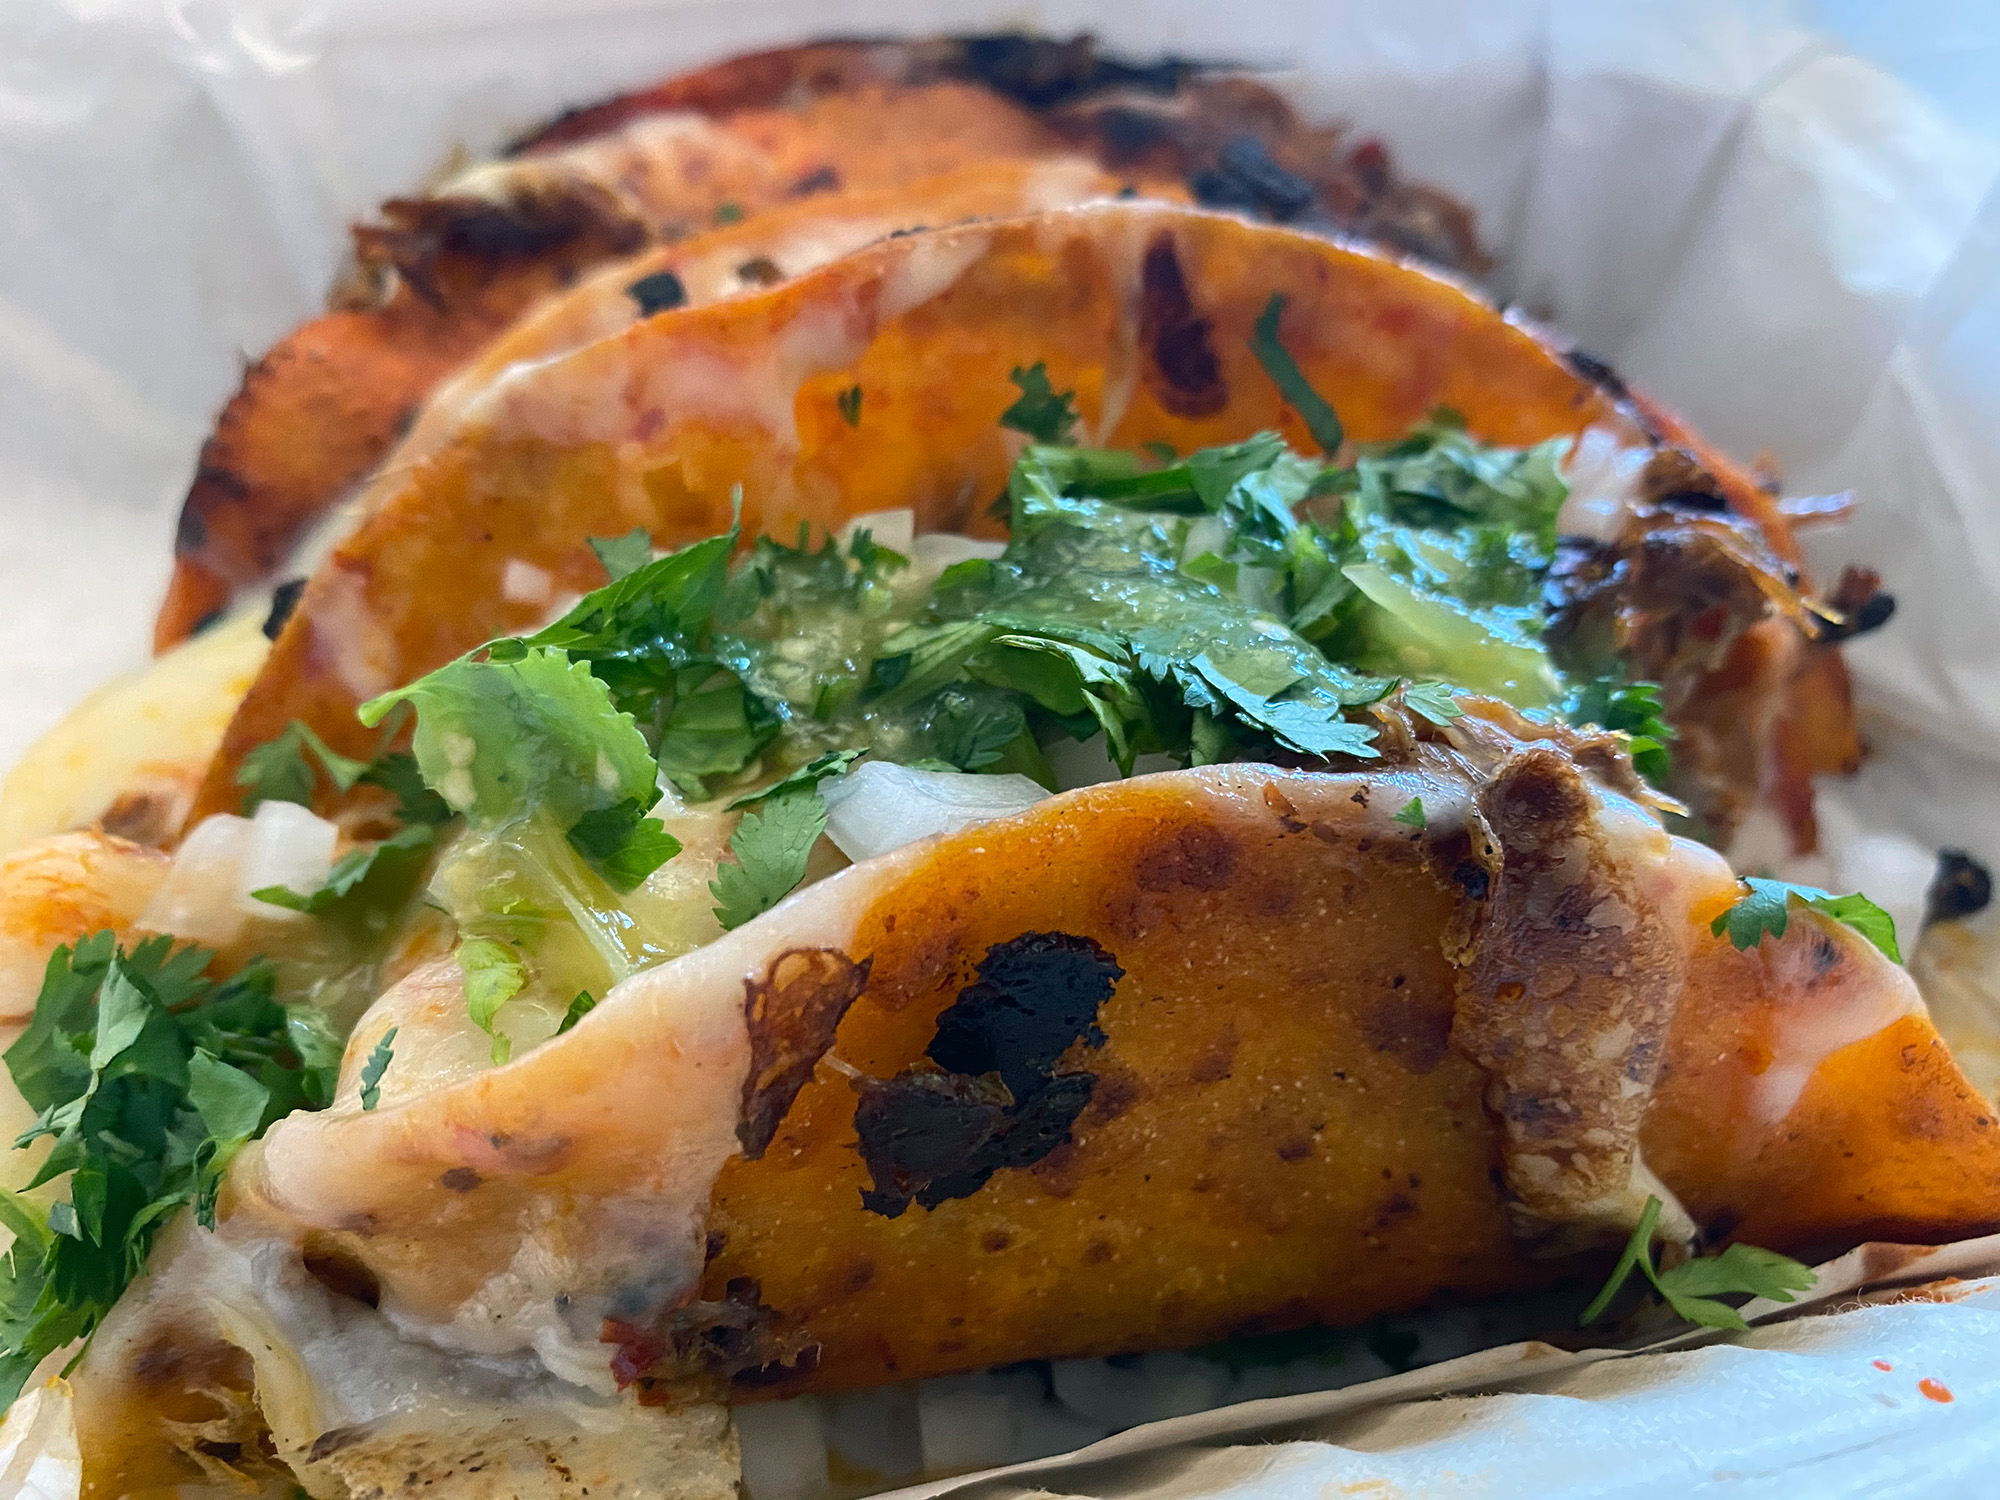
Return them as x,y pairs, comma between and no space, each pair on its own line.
1070,784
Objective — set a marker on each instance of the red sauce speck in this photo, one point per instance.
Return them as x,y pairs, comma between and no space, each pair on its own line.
1935,1389
1882,1364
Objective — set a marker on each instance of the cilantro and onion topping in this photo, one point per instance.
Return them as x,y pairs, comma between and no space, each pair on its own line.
1239,602
147,1077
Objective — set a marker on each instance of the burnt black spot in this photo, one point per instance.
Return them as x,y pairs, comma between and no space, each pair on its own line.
1961,887
284,599
1128,134
1034,996
988,1098
1472,879
1870,613
223,484
660,292
819,180
760,270
459,1180
1042,73
1598,373
1244,176
1189,377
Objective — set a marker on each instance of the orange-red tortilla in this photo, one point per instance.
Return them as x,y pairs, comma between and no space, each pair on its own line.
1144,310
443,274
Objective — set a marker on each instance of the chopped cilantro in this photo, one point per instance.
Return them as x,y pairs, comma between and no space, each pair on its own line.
1412,815
622,843
1691,1288
624,555
806,777
379,879
1320,418
1768,908
396,772
1632,709
494,974
849,402
971,731
1043,413
728,213
527,729
872,560
375,1067
1434,700
281,769
149,1076
628,676
771,846
581,1006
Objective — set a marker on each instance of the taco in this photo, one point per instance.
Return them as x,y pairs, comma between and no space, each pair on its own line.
440,275
1058,786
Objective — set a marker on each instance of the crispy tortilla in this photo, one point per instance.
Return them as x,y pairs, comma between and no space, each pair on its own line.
441,275
1147,313
1150,1064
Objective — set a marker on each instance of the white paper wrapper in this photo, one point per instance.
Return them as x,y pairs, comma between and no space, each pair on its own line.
1790,246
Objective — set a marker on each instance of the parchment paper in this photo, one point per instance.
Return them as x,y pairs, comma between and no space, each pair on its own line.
1788,244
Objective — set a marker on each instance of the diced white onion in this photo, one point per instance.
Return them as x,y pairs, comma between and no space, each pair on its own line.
198,899
524,583
289,847
1205,534
879,807
206,895
1603,476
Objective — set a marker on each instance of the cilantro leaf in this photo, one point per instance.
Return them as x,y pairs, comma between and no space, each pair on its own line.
771,846
622,843
849,402
1434,700
871,559
1632,709
1769,904
231,1104
281,769
494,974
1412,815
1320,418
500,738
970,732
580,1007
1691,1288
624,555
1040,412
375,879
396,772
806,777
715,728
375,1067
